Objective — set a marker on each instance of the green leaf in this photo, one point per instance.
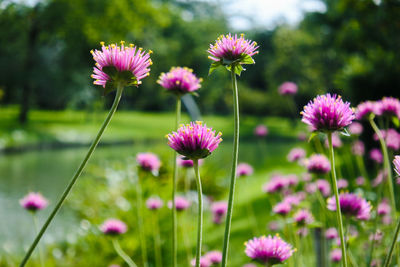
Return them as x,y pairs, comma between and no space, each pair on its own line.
396,121
313,134
247,60
238,69
214,66
344,132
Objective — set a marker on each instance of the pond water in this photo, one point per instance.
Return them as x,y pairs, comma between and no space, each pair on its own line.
48,171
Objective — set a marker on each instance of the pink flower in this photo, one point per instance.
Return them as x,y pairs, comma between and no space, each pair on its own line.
294,199
276,183
396,163
287,88
388,106
319,164
268,250
204,262
181,203
355,128
261,130
303,217
351,205
364,109
33,202
186,163
113,227
296,154
383,207
244,169
214,256
376,155
113,62
154,203
342,183
148,161
379,178
336,255
391,137
336,141
194,140
324,187
360,181
282,208
331,233
328,113
219,210
179,80
358,148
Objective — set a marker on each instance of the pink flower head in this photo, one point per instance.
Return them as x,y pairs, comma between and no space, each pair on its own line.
296,154
261,130
181,203
376,155
194,140
229,49
355,128
204,262
154,203
287,88
384,208
303,217
148,161
276,183
379,178
294,199
113,227
120,64
342,183
244,169
324,187
358,148
282,208
292,180
351,205
179,80
336,141
331,233
186,163
311,188
396,163
328,113
336,255
319,164
360,181
364,109
392,139
388,106
214,256
33,202
219,210
268,250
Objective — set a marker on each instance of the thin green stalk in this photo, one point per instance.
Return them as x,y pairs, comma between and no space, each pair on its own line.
386,162
200,211
174,186
371,254
41,255
233,172
338,211
361,167
394,241
76,176
141,230
122,253
157,241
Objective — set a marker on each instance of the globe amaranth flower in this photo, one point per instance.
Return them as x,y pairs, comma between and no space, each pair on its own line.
287,88
261,130
180,80
360,181
391,137
383,208
113,227
282,208
181,203
396,163
276,183
327,113
294,199
194,140
232,51
376,155
186,163
148,161
268,250
219,210
324,187
356,128
351,205
33,202
204,262
318,164
358,148
331,233
120,65
303,217
342,183
365,109
154,203
296,154
244,169
215,256
336,255
388,106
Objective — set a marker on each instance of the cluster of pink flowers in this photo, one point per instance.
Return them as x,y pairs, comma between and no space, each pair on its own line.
148,161
391,137
279,182
387,106
179,80
33,202
351,205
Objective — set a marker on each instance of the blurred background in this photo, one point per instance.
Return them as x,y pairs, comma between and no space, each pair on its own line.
50,110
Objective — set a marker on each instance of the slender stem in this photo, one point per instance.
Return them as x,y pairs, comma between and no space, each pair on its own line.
157,241
338,211
233,172
371,254
41,255
200,215
394,241
122,253
76,176
141,229
174,186
386,162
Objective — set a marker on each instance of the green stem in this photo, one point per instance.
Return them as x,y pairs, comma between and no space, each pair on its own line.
174,187
157,241
200,211
141,229
76,176
122,254
338,210
371,254
41,255
394,241
233,172
386,163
